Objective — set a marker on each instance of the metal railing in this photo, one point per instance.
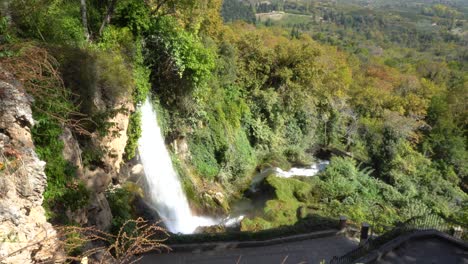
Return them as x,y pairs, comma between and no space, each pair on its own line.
430,222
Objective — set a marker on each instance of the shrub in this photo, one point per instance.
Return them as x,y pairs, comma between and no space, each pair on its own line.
133,133
63,189
113,76
121,205
51,21
289,196
95,74
340,178
180,65
203,156
255,224
141,74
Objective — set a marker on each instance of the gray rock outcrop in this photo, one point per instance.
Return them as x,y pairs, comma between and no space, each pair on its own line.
25,234
98,179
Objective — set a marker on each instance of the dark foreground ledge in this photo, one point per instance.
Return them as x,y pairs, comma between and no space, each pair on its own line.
199,247
378,255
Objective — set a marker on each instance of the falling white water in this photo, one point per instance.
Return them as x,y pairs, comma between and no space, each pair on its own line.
166,193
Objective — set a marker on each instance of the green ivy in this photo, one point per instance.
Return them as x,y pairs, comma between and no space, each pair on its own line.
63,190
133,133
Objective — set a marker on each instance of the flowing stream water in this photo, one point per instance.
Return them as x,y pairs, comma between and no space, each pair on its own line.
310,171
165,189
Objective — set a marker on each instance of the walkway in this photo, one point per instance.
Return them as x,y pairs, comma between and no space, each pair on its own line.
431,250
308,251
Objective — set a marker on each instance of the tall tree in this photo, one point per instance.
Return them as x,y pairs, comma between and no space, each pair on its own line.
84,19
107,18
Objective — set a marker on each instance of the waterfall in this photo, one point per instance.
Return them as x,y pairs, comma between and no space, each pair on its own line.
165,190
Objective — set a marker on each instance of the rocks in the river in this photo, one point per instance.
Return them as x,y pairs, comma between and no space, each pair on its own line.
25,234
211,229
216,198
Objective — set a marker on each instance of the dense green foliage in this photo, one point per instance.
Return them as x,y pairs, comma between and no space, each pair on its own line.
64,191
385,86
134,133
121,205
233,10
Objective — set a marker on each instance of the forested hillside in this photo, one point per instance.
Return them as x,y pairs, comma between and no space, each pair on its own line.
381,91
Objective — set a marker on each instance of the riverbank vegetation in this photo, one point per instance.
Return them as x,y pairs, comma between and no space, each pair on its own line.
245,96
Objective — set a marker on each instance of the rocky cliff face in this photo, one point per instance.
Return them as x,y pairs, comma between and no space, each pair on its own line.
116,139
97,180
25,234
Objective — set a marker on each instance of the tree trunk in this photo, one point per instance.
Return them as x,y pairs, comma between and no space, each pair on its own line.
107,19
5,10
84,19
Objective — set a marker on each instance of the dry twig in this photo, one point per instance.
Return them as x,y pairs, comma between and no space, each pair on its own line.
136,237
38,71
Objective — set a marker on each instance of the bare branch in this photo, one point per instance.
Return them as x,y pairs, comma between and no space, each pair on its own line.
38,71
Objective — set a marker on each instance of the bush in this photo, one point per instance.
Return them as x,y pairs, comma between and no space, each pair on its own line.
340,178
203,156
289,196
180,64
95,74
113,76
52,21
63,189
121,205
141,74
133,133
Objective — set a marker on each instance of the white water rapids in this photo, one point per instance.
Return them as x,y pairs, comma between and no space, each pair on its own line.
310,171
166,193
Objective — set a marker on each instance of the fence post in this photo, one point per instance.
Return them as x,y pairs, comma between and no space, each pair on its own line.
458,232
364,233
343,223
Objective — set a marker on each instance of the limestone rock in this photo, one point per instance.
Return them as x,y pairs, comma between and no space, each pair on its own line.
116,139
132,171
181,148
138,170
96,180
217,198
99,212
71,151
23,224
79,216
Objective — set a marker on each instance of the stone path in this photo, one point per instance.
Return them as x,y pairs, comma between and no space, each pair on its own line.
308,251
